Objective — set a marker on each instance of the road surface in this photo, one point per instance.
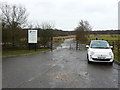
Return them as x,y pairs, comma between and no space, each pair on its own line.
64,67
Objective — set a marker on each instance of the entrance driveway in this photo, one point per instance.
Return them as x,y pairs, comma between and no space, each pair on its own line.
63,67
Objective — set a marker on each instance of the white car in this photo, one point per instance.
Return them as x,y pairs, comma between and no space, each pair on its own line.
100,51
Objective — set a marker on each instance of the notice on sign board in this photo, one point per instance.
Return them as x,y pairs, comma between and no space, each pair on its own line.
32,36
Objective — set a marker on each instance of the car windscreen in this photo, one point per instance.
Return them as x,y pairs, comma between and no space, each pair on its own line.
99,44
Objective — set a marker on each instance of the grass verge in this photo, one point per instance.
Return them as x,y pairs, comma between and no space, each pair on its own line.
21,52
117,56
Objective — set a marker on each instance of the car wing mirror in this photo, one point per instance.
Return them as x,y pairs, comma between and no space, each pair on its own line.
87,46
111,46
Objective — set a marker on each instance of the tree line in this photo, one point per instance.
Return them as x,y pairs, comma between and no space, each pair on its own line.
14,34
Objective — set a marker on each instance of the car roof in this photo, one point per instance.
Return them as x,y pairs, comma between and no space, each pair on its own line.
99,40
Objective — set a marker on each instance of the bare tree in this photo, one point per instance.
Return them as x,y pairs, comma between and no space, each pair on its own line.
82,32
47,25
30,25
13,17
46,35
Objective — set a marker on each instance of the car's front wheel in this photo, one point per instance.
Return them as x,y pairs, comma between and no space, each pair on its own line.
111,63
89,62
88,59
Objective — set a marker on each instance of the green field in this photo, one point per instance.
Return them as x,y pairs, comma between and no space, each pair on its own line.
105,37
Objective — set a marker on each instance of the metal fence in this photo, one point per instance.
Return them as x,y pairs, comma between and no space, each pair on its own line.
15,40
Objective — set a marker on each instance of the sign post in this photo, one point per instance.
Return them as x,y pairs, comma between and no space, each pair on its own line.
32,38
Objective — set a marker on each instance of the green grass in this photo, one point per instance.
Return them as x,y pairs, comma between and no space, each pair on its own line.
21,52
0,53
117,56
105,38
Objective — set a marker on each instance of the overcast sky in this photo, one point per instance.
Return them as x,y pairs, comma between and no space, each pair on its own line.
66,14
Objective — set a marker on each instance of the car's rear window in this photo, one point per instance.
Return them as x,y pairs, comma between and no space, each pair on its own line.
99,44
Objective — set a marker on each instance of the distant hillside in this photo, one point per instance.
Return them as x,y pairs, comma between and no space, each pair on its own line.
97,32
58,32
106,32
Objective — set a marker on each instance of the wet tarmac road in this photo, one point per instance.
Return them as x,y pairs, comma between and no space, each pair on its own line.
64,67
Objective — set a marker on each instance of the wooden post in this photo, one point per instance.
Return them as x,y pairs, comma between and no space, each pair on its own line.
29,46
51,43
76,44
113,45
35,47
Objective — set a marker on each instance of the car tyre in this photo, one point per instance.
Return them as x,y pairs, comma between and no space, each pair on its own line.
111,63
89,62
88,59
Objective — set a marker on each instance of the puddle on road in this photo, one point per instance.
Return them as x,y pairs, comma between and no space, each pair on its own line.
67,47
84,74
53,84
60,65
58,48
60,76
